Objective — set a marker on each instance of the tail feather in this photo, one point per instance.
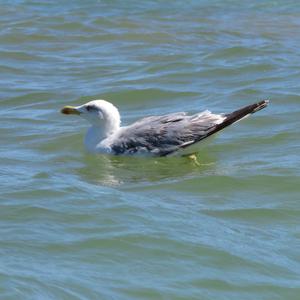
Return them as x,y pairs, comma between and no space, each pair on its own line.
230,118
239,114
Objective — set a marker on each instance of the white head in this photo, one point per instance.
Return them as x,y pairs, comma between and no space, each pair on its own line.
99,113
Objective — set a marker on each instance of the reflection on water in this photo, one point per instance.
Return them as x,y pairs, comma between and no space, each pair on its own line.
111,170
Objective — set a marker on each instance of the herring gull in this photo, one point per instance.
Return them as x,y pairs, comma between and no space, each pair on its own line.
153,135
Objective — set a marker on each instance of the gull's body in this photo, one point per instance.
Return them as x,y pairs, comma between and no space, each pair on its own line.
154,135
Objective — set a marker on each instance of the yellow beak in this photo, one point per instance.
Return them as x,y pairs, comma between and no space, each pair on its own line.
70,110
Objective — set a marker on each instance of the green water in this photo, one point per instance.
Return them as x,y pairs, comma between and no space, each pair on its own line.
78,226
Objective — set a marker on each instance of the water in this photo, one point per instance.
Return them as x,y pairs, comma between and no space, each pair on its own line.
78,226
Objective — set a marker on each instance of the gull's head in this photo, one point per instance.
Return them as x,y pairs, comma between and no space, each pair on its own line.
97,112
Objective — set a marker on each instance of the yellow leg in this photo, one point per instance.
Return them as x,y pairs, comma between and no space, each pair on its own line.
194,159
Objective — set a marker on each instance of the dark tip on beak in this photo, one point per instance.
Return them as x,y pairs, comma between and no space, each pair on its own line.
70,110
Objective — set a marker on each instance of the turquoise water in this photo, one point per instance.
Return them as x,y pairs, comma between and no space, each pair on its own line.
79,226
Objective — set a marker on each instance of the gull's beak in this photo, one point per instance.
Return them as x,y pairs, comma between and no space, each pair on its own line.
70,110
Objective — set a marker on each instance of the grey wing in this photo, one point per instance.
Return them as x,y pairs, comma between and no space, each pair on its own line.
162,135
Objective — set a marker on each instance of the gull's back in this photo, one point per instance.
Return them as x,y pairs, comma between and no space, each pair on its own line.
164,135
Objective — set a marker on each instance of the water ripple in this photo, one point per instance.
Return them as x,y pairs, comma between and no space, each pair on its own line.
78,226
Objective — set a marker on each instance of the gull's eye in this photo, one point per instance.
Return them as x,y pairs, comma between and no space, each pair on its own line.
90,107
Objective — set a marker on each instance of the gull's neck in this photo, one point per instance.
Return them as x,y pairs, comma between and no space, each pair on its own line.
97,135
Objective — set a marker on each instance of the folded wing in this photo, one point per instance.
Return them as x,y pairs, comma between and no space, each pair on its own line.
162,135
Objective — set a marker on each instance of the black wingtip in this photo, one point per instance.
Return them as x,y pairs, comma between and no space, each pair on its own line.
247,110
231,118
260,105
239,114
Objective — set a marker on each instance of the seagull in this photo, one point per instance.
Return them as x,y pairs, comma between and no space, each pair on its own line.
153,135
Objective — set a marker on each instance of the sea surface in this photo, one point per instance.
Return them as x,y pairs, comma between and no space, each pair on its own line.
80,226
